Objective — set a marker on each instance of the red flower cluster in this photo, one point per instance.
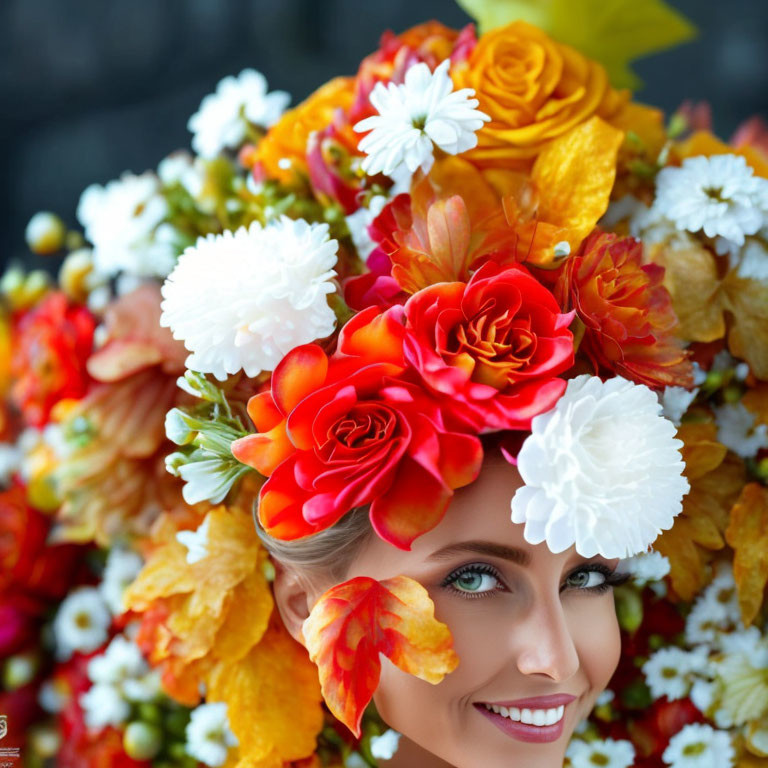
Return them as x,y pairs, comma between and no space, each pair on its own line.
391,418
50,349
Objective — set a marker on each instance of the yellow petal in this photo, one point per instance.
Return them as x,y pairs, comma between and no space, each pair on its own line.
575,174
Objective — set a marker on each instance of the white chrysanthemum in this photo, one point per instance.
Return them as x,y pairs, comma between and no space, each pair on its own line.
668,672
422,111
196,541
705,622
120,220
384,747
609,753
718,194
81,623
208,734
220,122
602,470
121,569
242,300
121,660
699,746
675,401
737,429
104,705
646,567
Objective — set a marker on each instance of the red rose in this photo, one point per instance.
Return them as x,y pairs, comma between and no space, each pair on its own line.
51,346
626,310
347,431
495,345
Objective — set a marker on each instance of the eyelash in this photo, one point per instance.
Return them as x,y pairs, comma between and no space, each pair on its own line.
612,579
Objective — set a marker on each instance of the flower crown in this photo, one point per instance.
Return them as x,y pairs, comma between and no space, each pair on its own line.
490,300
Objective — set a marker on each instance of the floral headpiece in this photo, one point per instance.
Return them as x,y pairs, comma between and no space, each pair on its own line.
488,295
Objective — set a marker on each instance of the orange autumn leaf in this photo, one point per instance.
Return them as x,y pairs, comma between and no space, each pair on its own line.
192,613
716,479
747,302
747,534
273,699
353,622
756,400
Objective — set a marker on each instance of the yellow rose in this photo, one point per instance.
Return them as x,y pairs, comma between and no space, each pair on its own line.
534,90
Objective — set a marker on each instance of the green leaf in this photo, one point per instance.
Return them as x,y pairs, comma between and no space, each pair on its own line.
613,32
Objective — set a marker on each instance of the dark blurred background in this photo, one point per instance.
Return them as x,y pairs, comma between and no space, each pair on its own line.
91,88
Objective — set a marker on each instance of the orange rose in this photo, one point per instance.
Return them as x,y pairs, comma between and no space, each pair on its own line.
282,152
534,89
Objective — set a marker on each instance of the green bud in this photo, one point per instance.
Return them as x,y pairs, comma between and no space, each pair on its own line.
44,740
142,741
636,696
176,722
149,713
19,670
678,125
197,385
178,428
761,469
268,569
45,233
177,750
732,393
629,608
714,380
174,461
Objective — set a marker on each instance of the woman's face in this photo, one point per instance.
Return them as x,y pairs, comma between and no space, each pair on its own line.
533,631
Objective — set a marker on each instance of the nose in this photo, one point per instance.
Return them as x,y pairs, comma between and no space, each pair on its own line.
546,643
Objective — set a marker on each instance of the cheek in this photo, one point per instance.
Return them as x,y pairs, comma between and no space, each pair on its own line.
595,633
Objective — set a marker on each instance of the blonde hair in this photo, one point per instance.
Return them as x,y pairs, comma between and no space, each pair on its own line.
325,555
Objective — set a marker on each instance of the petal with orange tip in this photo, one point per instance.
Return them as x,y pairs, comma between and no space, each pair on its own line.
263,412
354,622
373,336
300,372
575,175
264,451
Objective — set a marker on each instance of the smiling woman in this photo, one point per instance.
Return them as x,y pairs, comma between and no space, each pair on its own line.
535,632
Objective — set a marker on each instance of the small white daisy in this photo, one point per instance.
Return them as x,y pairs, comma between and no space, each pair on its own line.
667,673
719,195
737,429
209,737
81,623
121,569
422,111
220,122
608,753
244,299
646,567
196,541
699,746
104,705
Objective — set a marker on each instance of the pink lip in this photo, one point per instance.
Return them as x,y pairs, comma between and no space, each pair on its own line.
537,702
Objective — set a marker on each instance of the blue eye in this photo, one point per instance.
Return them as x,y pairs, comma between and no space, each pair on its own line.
585,579
473,580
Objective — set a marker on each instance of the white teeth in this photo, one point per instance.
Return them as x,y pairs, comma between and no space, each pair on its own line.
538,717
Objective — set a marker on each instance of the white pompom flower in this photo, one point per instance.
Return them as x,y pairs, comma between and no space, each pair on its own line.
422,111
121,220
220,122
602,471
244,299
719,195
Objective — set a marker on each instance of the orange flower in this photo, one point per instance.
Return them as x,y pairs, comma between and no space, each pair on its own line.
534,89
281,154
627,312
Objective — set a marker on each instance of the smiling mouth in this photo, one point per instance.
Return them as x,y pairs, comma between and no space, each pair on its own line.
538,717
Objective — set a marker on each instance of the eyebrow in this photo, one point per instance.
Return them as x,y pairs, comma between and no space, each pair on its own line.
518,556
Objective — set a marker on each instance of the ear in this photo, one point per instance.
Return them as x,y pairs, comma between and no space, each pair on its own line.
294,599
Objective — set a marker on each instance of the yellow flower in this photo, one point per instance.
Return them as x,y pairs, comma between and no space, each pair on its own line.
534,89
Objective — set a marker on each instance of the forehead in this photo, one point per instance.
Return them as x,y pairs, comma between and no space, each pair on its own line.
480,511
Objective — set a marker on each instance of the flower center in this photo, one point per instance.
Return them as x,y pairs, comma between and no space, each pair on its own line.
697,748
